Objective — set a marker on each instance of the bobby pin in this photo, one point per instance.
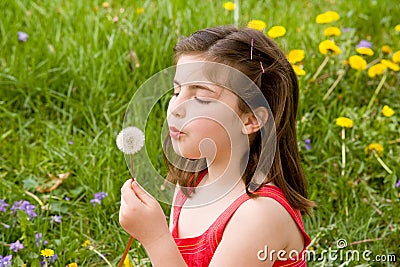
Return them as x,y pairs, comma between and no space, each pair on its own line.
251,49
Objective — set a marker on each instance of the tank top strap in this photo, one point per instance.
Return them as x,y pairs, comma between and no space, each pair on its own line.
180,199
217,229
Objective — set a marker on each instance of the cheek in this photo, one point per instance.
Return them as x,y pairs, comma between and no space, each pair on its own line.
211,130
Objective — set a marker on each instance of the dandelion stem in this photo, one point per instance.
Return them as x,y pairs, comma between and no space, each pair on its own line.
356,81
100,255
394,141
382,163
131,167
34,197
128,246
320,69
236,13
343,151
330,90
377,90
373,62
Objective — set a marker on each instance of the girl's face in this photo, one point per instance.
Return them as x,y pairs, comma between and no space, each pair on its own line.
203,117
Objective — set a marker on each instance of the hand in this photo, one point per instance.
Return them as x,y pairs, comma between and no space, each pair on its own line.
141,215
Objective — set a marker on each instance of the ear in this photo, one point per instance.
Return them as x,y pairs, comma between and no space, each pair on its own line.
254,121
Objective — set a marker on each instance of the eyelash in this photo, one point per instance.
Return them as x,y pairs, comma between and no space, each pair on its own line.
204,102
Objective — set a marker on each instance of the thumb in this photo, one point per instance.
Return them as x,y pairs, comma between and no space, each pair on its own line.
145,197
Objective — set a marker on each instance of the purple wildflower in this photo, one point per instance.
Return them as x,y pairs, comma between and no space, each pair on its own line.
53,258
95,201
6,225
22,36
364,43
6,261
25,206
3,205
398,184
39,238
308,143
98,197
347,29
16,246
56,219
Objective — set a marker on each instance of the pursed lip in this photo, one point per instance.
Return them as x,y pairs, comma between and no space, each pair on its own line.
174,132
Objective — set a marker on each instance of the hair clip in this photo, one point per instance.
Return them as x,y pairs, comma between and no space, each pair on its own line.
251,49
262,67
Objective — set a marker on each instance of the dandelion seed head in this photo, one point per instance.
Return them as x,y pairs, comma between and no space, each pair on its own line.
130,140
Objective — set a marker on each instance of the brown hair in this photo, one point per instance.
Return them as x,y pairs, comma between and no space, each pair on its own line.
278,83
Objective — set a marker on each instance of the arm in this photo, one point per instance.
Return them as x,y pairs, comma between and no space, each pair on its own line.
143,218
257,228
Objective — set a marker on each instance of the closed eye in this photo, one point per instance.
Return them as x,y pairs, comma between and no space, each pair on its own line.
202,101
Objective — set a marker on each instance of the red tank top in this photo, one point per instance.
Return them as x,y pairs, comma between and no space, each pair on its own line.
198,251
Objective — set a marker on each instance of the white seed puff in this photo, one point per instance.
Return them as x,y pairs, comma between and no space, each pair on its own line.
130,140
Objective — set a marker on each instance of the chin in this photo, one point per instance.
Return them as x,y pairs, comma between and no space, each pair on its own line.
181,152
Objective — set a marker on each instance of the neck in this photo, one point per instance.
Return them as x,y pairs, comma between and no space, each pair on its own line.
224,176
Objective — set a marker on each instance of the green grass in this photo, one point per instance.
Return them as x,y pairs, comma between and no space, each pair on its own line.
63,95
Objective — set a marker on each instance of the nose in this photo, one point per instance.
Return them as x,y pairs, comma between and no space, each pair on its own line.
177,106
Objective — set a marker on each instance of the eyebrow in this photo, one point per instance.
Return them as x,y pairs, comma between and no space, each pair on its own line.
203,87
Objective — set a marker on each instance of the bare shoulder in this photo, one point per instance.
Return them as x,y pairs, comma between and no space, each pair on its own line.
258,223
264,217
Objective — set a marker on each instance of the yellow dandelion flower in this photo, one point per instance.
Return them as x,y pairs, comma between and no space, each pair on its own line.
86,243
357,63
377,69
327,17
139,10
396,57
105,4
344,122
378,148
387,111
47,252
127,262
364,51
229,6
332,31
397,27
276,31
386,49
298,70
329,46
333,15
391,65
295,55
256,24
74,264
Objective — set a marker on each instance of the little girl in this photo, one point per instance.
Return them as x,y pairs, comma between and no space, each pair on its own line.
235,204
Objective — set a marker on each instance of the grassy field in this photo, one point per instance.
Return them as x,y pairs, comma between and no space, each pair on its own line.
64,91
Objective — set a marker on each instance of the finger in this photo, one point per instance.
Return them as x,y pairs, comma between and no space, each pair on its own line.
145,197
128,195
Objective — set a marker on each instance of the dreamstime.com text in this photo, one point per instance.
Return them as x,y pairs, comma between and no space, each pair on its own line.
338,254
